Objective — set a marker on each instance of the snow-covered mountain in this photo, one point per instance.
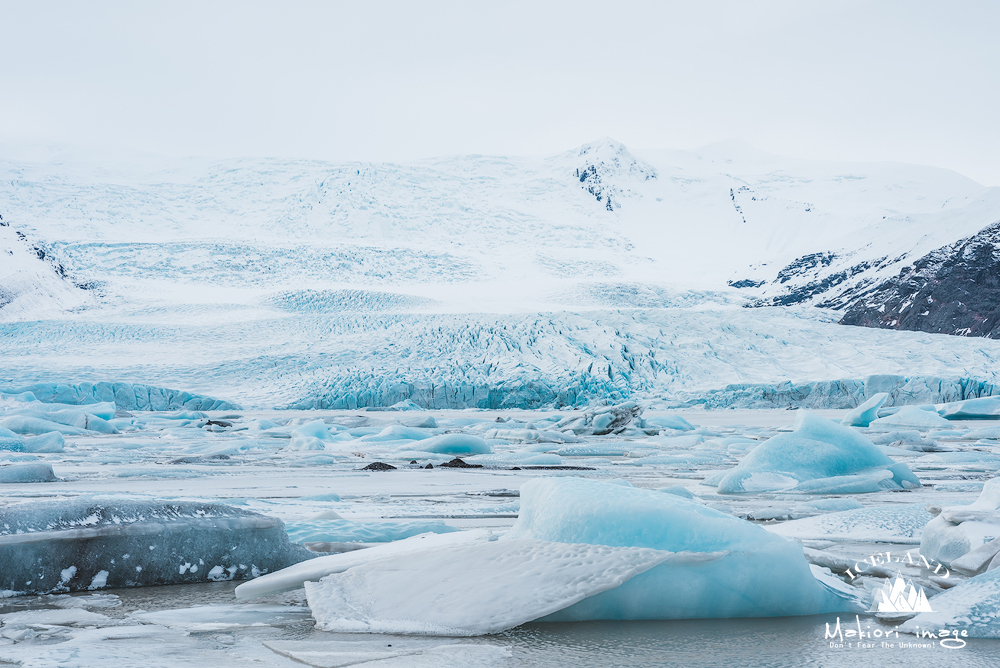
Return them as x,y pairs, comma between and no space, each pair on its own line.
33,284
479,280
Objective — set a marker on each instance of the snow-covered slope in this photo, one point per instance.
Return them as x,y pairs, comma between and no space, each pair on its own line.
476,280
32,284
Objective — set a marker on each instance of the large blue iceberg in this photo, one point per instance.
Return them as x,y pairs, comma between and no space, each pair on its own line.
818,457
730,569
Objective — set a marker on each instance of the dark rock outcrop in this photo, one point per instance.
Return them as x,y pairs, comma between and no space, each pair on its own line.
952,290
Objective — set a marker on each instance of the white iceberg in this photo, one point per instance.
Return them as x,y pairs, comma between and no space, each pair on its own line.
866,413
958,530
973,606
473,589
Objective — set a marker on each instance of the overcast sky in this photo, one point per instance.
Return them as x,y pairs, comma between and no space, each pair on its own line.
911,81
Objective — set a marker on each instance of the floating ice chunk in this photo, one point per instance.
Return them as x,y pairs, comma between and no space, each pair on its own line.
978,560
668,422
911,416
401,654
867,412
989,433
29,472
678,490
972,409
22,424
816,449
295,576
397,432
455,444
53,546
73,418
958,530
346,531
10,441
57,617
516,459
967,461
314,429
604,420
201,618
726,571
971,606
51,442
892,524
475,589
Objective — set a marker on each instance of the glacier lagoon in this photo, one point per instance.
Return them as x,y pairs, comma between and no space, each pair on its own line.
328,500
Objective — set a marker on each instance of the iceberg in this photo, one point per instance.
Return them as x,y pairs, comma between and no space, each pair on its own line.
814,458
603,420
30,472
453,444
473,589
10,441
959,530
91,543
724,566
346,531
21,424
913,417
866,413
972,409
973,606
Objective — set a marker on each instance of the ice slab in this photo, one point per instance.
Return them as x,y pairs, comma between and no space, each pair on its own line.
474,589
972,606
818,449
295,576
399,654
92,543
867,412
728,566
126,396
51,442
27,472
958,530
453,444
24,424
883,524
972,409
11,441
346,531
912,417
201,618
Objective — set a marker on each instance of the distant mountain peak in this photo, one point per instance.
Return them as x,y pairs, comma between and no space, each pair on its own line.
607,170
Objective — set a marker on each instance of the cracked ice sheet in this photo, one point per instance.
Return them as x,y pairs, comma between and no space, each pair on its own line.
475,589
406,653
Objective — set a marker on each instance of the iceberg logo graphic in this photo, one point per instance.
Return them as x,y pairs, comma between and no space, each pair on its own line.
900,596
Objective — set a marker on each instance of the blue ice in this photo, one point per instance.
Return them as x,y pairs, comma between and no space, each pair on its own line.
817,450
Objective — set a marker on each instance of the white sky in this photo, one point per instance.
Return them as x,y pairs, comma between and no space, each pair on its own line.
906,80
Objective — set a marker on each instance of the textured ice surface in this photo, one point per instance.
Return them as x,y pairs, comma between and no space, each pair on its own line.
56,546
983,407
724,572
473,589
398,654
126,396
911,417
27,472
887,524
222,617
958,530
818,450
346,531
973,606
295,576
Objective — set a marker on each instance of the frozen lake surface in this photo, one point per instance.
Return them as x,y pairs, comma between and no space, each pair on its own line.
258,471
